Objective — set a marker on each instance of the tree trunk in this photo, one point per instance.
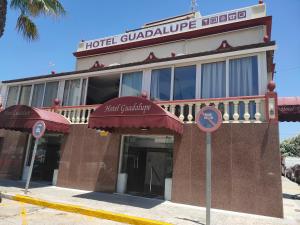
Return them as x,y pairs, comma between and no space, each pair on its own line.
3,8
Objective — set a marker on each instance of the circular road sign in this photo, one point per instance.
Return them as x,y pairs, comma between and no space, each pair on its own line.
38,129
209,119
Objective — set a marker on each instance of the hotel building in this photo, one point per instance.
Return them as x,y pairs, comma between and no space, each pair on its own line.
124,120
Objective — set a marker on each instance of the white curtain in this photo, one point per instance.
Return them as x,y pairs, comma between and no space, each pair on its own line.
243,76
243,81
83,91
132,84
12,96
213,80
25,95
37,96
155,93
50,93
72,93
160,84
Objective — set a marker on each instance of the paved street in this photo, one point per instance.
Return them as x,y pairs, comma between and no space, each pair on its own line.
16,213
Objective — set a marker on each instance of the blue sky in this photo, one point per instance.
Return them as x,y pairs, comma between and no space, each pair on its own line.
92,19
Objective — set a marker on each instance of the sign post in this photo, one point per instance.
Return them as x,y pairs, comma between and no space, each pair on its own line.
38,131
208,119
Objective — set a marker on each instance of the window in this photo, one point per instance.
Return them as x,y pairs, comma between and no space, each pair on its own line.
12,96
184,82
83,90
243,81
213,80
25,95
161,84
37,96
132,84
72,93
50,93
243,76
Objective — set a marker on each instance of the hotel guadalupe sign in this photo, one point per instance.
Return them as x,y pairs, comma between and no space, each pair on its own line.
127,109
169,29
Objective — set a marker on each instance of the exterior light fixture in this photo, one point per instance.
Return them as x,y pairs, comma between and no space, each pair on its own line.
102,133
272,108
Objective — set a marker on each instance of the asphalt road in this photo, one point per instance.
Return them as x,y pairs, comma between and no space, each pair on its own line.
16,213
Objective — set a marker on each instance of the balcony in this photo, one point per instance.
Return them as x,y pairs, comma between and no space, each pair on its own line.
248,109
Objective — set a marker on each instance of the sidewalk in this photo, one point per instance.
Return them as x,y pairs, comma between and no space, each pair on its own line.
291,199
152,208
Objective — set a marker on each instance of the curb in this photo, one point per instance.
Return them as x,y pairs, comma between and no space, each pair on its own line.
83,210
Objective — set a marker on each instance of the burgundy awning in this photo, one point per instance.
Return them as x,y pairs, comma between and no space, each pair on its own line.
289,109
133,112
22,118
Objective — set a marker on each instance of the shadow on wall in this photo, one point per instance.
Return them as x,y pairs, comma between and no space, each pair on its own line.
139,202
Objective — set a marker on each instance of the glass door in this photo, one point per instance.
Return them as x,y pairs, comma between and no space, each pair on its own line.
147,162
155,172
136,167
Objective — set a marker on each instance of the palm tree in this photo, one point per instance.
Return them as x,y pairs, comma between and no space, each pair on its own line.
28,10
3,7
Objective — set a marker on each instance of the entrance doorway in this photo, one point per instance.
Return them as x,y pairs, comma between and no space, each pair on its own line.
46,159
147,161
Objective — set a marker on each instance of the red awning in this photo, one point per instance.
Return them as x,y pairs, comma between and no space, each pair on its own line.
289,109
22,118
133,112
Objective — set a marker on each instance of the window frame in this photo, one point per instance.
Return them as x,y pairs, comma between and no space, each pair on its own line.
172,80
143,86
146,79
198,89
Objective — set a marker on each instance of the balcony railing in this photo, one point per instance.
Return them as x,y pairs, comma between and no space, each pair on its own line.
75,114
235,109
249,109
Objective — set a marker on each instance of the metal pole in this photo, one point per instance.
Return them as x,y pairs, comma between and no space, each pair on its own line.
31,165
208,177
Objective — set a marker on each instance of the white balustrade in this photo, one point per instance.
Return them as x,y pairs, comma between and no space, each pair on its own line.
76,114
226,113
234,110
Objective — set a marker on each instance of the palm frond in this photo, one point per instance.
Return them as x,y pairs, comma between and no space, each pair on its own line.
38,7
19,5
26,27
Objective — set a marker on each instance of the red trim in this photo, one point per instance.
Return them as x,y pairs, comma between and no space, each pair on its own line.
182,36
224,45
97,65
151,57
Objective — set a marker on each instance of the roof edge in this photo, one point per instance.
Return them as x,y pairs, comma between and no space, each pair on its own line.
193,55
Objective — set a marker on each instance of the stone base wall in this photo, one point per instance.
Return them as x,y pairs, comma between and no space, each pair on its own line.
246,174
88,161
12,153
